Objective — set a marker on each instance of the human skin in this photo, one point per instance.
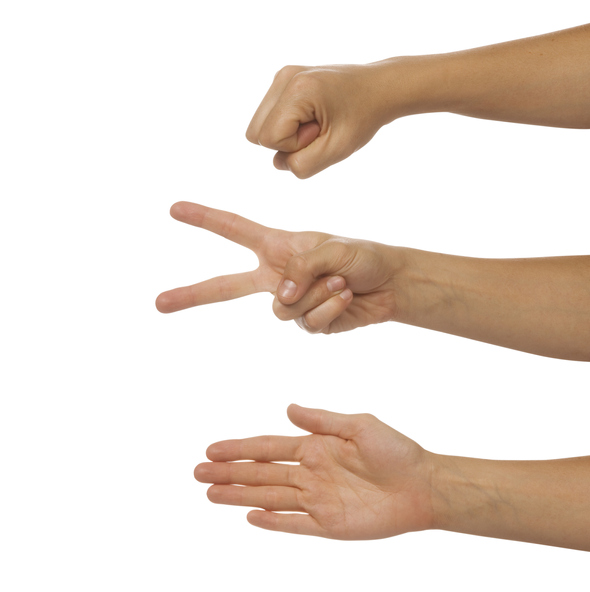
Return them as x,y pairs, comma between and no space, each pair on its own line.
357,478
315,117
330,284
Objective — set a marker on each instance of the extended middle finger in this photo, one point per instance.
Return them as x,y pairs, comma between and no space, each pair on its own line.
246,473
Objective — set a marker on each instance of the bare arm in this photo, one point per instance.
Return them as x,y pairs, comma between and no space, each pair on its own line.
330,284
317,116
357,478
538,305
542,80
546,502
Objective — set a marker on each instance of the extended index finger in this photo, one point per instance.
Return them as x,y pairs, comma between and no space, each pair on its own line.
260,448
230,226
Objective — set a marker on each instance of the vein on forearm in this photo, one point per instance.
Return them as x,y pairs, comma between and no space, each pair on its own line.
546,502
538,305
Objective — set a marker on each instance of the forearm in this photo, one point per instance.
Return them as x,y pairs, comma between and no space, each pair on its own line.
540,306
546,502
542,80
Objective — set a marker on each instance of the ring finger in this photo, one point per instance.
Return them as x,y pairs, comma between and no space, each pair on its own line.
319,318
274,499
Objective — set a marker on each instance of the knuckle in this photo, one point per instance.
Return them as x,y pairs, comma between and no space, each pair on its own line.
367,418
287,72
251,136
266,446
340,247
225,288
265,138
271,498
297,265
304,81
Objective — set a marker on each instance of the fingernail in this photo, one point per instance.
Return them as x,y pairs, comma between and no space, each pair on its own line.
281,165
336,283
346,295
288,289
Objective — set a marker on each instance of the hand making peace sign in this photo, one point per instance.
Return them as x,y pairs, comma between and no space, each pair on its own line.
328,284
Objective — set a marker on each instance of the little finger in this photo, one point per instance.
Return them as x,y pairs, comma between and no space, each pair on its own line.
319,319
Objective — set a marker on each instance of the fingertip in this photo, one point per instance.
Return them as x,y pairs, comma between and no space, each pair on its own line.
211,494
294,164
299,416
336,283
162,303
199,472
292,409
346,294
177,208
213,451
279,162
287,291
308,161
256,517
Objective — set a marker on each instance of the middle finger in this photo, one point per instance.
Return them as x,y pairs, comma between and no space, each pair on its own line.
246,473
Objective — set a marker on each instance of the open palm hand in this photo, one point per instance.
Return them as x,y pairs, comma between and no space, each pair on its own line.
357,478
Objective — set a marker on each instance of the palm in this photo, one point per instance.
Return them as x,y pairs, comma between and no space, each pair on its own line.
356,478
359,262
356,493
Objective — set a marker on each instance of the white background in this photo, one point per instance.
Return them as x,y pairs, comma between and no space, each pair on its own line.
110,112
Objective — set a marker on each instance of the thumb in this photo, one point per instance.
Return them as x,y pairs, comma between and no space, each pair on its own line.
320,421
301,271
313,156
289,129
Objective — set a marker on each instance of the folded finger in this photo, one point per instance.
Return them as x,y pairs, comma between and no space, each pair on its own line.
319,292
312,157
281,80
332,257
278,499
245,473
319,318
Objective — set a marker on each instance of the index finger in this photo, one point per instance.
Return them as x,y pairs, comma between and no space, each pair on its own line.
282,78
230,226
260,448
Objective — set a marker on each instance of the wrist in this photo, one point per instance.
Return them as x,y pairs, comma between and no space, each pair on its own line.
472,496
425,287
451,492
410,85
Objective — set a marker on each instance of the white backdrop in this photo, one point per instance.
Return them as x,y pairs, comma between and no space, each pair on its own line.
110,112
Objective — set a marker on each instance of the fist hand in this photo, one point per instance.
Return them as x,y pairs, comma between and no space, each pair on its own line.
316,117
